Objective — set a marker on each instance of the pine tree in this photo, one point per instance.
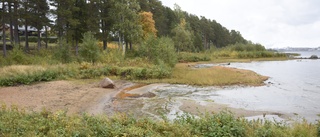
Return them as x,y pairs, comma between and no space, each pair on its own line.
4,16
38,16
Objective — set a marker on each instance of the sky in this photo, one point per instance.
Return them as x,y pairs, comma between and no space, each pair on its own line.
272,23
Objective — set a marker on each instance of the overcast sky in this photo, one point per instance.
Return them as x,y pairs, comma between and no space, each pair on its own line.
272,23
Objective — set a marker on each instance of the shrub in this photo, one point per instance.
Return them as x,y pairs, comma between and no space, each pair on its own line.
192,57
15,122
89,49
28,78
63,53
35,39
156,49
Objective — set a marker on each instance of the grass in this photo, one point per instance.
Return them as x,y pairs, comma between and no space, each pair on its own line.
112,63
215,76
9,71
15,122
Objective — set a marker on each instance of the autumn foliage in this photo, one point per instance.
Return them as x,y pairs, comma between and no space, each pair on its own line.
148,24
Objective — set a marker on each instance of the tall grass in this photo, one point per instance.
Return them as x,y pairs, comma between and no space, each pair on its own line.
215,76
15,122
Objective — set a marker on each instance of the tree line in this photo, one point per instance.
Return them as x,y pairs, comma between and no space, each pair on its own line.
126,21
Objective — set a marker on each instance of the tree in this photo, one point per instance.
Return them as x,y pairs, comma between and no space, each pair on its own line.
236,37
26,16
89,49
127,28
4,28
15,21
63,17
106,21
148,24
79,25
10,16
183,38
38,16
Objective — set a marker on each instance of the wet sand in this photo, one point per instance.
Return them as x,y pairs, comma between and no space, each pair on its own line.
199,108
85,96
72,96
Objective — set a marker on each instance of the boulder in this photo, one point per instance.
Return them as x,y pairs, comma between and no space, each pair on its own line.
107,83
314,57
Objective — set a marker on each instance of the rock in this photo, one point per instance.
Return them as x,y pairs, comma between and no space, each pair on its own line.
107,83
314,57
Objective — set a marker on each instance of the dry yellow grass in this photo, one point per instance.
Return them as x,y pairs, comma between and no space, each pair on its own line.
112,45
214,76
19,69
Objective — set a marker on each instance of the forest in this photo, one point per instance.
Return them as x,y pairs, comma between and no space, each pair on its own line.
126,21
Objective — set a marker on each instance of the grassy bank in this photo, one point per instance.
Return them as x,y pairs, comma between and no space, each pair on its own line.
184,73
146,64
46,68
14,122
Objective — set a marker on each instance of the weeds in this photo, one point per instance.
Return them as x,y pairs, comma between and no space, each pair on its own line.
15,122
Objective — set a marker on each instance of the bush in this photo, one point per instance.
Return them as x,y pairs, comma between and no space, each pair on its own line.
46,75
89,49
63,53
159,49
246,47
192,57
35,39
15,122
17,56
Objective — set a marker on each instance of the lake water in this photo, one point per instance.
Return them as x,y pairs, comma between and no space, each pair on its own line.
292,89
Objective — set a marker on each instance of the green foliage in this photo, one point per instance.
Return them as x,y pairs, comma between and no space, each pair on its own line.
63,53
246,47
28,78
130,73
217,125
159,50
35,39
17,56
182,37
89,49
249,50
193,57
15,122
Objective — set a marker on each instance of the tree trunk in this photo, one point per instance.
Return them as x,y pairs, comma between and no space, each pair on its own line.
104,37
123,47
10,21
77,47
26,36
105,44
15,24
46,41
39,39
4,31
127,45
4,40
130,45
119,44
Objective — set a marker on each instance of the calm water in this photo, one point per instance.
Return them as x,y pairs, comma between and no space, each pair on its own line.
293,88
306,54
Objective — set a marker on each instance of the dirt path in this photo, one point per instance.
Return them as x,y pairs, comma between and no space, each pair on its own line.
73,96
